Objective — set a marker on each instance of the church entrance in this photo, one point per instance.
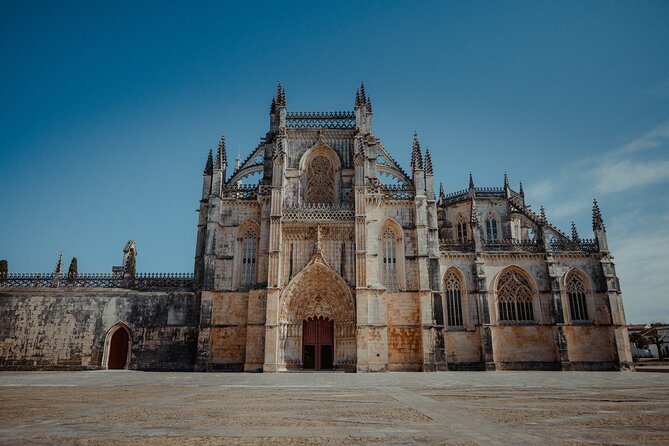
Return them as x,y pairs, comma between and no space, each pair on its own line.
317,343
118,349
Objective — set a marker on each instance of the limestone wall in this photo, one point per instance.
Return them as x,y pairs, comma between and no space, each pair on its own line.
524,347
404,332
43,329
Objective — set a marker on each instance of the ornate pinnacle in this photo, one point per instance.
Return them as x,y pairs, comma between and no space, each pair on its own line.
59,264
542,214
521,191
416,157
272,107
209,165
363,96
597,220
471,181
221,154
357,97
506,180
473,216
280,96
369,104
428,162
574,232
442,195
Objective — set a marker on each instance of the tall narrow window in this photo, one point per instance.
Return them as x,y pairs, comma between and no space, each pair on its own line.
389,253
462,229
320,181
249,244
491,227
576,292
453,300
514,297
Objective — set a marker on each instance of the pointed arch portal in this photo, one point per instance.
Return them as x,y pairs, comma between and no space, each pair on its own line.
317,320
117,347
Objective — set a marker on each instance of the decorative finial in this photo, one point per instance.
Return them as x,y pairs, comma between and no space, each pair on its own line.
542,214
369,104
574,232
357,97
441,190
416,156
59,265
471,181
209,165
221,154
363,96
521,191
597,220
506,180
428,162
272,107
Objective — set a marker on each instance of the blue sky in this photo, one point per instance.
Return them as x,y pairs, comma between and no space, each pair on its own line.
109,108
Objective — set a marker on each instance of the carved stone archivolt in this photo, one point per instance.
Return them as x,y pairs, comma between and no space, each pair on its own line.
317,291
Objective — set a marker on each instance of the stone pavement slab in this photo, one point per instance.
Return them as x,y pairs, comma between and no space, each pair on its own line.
445,408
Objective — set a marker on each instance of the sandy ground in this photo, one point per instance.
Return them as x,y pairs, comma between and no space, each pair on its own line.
454,408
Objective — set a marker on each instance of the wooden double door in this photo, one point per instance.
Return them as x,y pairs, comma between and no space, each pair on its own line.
317,343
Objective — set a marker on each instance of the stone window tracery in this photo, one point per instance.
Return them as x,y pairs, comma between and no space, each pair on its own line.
462,229
577,298
514,297
320,180
453,300
249,254
389,257
491,227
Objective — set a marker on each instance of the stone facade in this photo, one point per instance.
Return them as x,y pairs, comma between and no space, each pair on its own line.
320,251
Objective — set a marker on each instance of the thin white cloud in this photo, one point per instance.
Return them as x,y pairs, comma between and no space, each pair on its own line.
621,175
654,138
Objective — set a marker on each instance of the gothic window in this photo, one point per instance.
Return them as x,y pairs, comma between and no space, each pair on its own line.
389,257
491,227
576,293
320,180
514,297
453,300
462,230
249,251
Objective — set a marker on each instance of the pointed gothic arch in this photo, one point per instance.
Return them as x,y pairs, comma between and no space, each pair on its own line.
317,292
117,349
578,302
454,289
516,296
247,242
320,179
391,256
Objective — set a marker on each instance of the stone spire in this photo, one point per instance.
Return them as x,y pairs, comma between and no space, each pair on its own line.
597,221
471,181
574,232
521,191
221,155
506,180
542,214
280,96
209,165
416,157
442,195
369,104
428,162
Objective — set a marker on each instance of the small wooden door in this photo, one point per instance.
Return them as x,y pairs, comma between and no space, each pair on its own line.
118,349
317,343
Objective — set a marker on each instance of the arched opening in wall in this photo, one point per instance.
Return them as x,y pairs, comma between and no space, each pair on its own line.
317,343
117,347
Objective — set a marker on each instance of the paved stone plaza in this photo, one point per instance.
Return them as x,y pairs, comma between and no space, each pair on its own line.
447,408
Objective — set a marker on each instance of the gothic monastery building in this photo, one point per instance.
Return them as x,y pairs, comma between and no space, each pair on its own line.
320,252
